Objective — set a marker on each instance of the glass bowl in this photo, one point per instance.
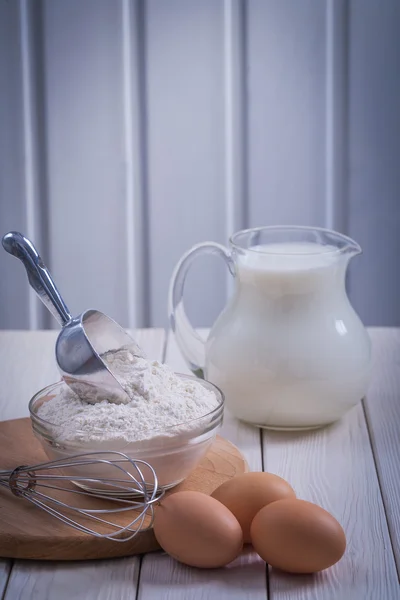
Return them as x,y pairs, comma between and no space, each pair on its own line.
173,452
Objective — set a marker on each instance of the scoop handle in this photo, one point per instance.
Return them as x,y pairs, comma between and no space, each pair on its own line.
39,277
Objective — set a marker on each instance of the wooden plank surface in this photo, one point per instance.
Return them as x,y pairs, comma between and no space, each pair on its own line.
5,567
27,364
382,407
334,467
97,580
162,578
91,580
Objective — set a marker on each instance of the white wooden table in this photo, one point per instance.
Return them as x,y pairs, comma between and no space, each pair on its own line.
352,469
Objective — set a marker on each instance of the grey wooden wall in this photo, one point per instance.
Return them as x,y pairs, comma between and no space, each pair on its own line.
132,129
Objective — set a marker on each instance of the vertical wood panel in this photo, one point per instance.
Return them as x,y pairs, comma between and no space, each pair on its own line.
235,109
35,155
135,159
336,138
86,153
186,148
286,69
374,129
132,129
14,306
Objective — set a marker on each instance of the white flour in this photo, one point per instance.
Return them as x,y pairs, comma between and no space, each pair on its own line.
159,399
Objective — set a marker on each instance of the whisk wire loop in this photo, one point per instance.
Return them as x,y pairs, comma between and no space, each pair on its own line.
129,490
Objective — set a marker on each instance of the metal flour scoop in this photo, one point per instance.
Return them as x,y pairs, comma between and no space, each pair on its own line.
83,339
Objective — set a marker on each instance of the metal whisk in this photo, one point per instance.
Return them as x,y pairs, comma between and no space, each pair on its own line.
41,484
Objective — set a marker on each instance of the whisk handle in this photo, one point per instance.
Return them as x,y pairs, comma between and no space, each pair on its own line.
38,274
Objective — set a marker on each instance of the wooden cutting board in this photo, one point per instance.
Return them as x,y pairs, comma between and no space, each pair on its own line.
28,532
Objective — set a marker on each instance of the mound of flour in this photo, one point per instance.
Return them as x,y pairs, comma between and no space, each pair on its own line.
159,399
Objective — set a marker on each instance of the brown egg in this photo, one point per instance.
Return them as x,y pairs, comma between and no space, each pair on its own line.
297,536
197,530
246,494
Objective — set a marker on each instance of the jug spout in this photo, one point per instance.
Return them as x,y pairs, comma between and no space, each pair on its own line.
351,248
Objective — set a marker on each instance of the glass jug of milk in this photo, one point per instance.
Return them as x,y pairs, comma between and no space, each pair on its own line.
288,351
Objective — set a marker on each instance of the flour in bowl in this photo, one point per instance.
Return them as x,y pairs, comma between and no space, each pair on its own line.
159,400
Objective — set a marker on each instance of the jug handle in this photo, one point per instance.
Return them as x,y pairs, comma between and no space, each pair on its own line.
189,341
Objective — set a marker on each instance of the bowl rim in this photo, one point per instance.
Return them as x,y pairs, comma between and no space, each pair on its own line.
207,384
